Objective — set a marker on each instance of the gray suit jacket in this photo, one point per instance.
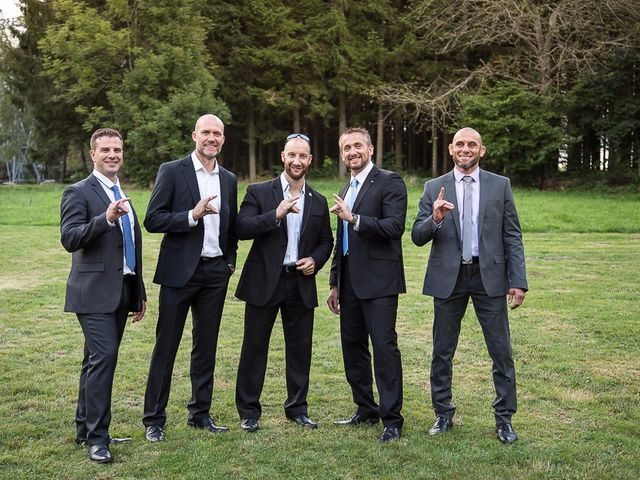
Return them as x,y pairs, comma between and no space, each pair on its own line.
95,281
501,252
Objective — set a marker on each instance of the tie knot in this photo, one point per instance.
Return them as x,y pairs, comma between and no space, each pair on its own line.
115,189
468,179
354,183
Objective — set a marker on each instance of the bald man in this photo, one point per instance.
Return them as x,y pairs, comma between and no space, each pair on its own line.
194,203
470,217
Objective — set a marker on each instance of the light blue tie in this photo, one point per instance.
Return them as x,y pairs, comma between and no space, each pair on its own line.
345,225
129,249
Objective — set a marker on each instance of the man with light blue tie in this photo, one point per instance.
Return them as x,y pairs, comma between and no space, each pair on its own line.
470,217
367,274
99,226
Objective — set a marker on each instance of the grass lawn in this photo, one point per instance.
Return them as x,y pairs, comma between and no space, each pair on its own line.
576,343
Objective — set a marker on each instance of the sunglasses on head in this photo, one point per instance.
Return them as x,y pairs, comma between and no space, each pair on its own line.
299,135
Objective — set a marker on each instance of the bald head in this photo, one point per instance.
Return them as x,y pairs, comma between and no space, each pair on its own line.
466,149
209,117
208,136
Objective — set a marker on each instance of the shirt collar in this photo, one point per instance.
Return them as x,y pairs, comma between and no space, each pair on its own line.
286,187
197,164
459,175
105,181
362,176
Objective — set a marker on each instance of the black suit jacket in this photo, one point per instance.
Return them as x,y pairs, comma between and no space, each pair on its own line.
174,194
95,281
375,250
257,221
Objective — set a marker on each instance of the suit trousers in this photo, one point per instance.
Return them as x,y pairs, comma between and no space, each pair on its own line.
297,327
492,315
375,318
205,294
102,335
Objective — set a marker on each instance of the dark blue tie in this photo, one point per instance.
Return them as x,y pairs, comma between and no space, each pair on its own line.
129,249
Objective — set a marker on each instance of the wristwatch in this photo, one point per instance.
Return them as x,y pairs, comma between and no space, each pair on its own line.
355,217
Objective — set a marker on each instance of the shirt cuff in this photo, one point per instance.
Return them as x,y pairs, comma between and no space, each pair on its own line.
192,222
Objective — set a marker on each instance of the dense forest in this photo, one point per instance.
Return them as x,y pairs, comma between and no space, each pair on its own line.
553,86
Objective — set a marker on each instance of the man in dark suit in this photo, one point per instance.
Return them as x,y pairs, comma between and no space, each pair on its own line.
194,203
99,226
367,274
289,224
470,217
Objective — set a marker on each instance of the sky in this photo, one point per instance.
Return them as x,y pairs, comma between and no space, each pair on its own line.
8,9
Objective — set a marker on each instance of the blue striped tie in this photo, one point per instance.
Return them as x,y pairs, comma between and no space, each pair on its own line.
129,249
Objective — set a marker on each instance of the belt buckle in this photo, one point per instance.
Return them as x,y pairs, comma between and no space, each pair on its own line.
467,262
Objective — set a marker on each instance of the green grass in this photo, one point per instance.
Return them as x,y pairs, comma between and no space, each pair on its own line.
576,343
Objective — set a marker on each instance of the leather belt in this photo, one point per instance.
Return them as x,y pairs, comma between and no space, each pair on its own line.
472,261
289,269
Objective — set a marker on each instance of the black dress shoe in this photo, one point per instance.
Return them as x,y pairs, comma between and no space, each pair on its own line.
81,441
389,434
207,424
506,433
357,419
441,425
303,421
100,453
154,433
250,425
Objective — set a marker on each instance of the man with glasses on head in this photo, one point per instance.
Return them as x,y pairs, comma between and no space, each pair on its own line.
288,222
194,203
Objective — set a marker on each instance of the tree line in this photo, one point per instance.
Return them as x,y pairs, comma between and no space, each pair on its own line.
552,85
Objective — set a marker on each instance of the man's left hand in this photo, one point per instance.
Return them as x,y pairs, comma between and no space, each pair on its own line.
515,297
306,265
137,316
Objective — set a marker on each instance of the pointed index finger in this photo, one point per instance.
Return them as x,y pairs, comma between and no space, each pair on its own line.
441,194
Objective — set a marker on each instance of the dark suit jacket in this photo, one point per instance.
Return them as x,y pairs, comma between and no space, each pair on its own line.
502,263
95,281
375,250
257,221
174,194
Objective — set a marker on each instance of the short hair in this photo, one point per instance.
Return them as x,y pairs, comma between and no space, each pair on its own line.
104,132
363,131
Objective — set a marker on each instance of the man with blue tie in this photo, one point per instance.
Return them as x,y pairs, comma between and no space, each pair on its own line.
470,217
99,226
288,222
367,274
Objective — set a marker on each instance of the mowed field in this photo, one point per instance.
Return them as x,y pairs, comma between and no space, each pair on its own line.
576,344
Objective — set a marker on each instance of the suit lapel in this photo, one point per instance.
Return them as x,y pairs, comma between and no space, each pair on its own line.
276,186
308,201
450,196
190,177
223,176
97,187
484,187
366,185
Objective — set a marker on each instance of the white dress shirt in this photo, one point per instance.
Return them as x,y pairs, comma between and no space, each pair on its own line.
294,222
208,184
106,186
475,205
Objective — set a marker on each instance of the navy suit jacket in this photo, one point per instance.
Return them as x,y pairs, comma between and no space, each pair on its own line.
257,220
174,194
95,281
501,256
375,250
